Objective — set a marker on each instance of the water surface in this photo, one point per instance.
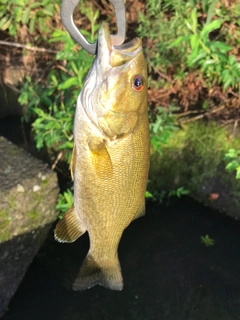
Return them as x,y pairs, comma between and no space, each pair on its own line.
168,273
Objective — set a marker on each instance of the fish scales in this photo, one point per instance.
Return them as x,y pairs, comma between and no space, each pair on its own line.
110,159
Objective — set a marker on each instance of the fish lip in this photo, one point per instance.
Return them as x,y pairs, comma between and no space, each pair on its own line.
130,46
129,49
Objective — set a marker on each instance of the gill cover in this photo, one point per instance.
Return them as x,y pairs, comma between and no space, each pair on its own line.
109,96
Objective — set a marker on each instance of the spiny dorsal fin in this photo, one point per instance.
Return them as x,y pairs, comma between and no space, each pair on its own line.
107,274
68,228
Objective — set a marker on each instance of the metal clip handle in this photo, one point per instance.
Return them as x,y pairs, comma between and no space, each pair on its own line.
67,9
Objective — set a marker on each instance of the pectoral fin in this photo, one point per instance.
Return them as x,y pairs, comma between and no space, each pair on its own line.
100,157
141,210
69,228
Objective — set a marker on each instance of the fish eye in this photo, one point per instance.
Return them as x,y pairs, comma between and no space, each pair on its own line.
137,83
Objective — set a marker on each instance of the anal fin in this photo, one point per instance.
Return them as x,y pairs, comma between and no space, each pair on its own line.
107,274
69,228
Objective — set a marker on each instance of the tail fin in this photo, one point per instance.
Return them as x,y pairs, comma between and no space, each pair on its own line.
91,273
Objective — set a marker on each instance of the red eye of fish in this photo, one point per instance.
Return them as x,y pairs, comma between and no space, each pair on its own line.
137,83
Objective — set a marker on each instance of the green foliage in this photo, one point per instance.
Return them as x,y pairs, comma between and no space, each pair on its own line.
210,57
65,201
52,102
148,195
181,191
232,157
164,196
207,241
192,158
162,126
36,15
155,26
180,40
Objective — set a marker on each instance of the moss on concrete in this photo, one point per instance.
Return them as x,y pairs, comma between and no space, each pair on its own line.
44,182
4,235
34,214
5,222
194,159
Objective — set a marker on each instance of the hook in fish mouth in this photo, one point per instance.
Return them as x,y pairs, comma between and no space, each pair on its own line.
113,55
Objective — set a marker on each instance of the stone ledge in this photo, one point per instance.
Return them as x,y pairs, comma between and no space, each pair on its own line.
28,192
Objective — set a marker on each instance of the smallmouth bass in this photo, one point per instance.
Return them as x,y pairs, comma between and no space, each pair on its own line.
110,159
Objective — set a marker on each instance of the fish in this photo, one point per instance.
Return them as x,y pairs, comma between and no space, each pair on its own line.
110,158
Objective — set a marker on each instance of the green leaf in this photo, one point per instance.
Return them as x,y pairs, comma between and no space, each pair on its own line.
40,13
68,83
45,3
25,16
188,25
32,24
45,100
194,20
21,3
35,5
74,67
232,60
54,80
200,56
223,47
222,57
7,25
67,145
238,173
194,41
232,153
39,112
227,83
232,165
213,25
210,61
148,195
4,23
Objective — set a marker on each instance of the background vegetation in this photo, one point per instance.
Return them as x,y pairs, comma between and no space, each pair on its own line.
192,49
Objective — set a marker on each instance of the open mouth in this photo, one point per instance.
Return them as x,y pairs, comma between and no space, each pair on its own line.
119,55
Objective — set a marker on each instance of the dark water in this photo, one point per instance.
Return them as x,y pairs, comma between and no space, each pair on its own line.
168,273
15,131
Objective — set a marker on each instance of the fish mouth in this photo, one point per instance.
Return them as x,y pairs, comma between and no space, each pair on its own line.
114,56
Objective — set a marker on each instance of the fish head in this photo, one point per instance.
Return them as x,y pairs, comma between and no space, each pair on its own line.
117,85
